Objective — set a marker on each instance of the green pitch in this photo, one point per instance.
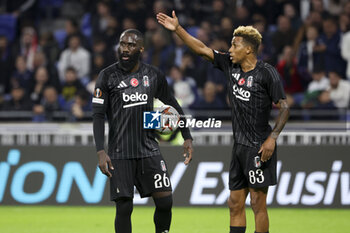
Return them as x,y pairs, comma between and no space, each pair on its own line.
192,220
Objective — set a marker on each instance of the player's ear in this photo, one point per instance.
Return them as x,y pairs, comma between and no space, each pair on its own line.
142,49
249,50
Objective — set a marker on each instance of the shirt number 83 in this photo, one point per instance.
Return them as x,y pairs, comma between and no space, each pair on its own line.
256,176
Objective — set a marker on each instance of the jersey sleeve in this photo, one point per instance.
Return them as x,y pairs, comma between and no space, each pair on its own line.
221,60
165,95
99,109
274,85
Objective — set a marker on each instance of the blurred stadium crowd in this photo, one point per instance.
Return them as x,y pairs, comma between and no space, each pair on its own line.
51,51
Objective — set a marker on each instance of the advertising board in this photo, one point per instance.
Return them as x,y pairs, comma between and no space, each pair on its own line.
308,176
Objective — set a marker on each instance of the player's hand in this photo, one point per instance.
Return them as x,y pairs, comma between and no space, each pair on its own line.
170,23
267,149
104,162
188,149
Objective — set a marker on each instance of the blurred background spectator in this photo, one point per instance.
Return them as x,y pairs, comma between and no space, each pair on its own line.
345,50
71,28
330,45
338,94
50,102
185,90
6,65
27,46
209,99
41,80
76,56
283,36
318,84
80,104
291,79
307,56
22,76
71,84
18,101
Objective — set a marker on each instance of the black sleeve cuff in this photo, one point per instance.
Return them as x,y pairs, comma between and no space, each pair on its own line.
99,132
186,134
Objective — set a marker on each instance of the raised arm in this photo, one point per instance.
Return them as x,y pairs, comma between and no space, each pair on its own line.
197,46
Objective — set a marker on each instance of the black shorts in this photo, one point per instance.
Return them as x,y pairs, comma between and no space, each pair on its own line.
246,169
149,175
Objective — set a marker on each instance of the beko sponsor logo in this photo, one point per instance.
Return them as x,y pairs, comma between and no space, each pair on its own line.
240,93
138,98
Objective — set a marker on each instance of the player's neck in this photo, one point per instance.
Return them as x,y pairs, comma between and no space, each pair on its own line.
249,64
136,67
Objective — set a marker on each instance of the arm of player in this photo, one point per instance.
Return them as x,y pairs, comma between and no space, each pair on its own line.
104,160
99,106
197,46
269,145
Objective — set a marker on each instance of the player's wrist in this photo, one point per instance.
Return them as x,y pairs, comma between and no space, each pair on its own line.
177,27
101,152
274,135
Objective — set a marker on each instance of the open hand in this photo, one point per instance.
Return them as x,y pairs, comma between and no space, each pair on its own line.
188,149
104,162
170,23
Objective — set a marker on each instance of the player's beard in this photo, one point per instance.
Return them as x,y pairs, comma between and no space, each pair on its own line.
128,65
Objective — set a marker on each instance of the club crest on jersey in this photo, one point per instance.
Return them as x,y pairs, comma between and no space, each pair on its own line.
162,165
134,82
250,81
241,81
98,93
145,81
257,161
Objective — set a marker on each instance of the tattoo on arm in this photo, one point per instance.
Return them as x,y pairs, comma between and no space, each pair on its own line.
281,119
